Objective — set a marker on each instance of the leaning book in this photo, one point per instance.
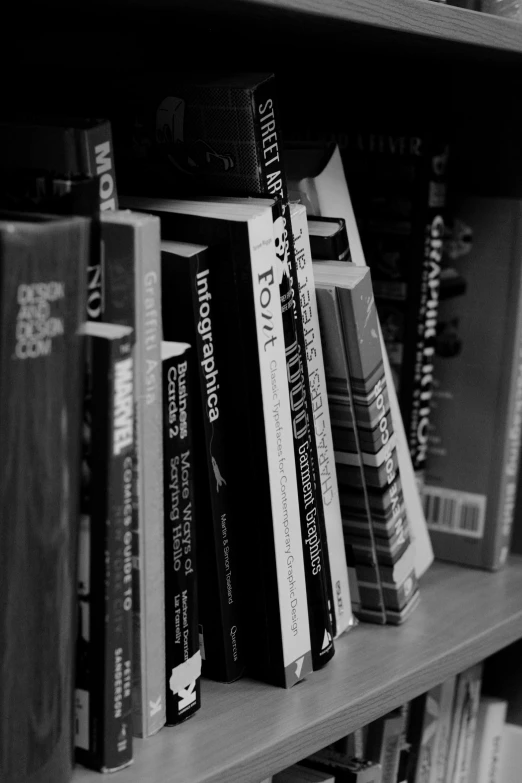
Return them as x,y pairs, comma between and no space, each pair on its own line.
42,307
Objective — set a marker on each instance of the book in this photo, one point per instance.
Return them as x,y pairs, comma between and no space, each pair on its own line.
103,699
463,724
384,743
511,756
372,503
194,309
333,199
242,235
67,146
340,589
42,307
487,750
443,735
344,770
328,238
474,450
182,655
133,298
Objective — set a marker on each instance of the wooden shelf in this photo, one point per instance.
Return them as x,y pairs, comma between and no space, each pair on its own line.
248,730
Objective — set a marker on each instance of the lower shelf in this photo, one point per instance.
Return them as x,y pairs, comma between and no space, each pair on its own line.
247,730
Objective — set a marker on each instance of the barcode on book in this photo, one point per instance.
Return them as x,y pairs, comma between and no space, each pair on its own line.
450,511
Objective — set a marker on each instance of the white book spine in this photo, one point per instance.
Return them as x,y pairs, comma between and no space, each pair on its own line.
149,616
288,547
323,430
488,741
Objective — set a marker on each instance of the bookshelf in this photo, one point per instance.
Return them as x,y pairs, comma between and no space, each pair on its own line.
248,730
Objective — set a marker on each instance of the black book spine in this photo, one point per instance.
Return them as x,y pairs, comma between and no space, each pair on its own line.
183,659
103,682
318,583
194,311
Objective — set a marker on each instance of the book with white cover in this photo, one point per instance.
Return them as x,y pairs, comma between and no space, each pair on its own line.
327,194
491,719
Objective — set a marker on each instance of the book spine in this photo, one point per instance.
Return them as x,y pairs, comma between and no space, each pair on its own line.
97,152
429,246
323,430
292,588
374,426
487,754
438,767
315,547
103,692
148,535
42,302
183,659
361,560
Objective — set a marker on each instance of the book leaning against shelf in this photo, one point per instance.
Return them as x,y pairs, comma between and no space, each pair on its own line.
43,264
273,583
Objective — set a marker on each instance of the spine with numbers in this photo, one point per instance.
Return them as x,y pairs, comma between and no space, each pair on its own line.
133,298
276,615
321,416
103,720
42,307
183,658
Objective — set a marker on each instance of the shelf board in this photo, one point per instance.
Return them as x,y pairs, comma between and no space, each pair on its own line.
418,17
248,730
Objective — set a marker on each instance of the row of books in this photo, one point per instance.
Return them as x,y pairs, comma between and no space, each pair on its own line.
453,733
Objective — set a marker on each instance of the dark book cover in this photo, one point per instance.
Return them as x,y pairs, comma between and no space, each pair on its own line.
64,146
194,310
42,306
182,655
220,134
328,238
398,187
103,736
241,238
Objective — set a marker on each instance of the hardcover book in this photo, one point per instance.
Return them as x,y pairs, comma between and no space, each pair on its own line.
183,658
328,238
384,743
103,698
277,616
133,298
194,309
43,266
474,446
372,502
323,431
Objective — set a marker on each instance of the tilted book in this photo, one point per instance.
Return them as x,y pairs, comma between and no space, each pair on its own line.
103,694
133,264
328,238
463,724
474,449
42,307
374,513
220,134
275,593
322,170
321,415
194,309
182,655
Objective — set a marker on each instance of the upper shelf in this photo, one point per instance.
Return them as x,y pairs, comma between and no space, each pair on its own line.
248,730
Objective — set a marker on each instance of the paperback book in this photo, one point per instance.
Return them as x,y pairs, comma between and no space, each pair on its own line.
103,698
194,309
183,658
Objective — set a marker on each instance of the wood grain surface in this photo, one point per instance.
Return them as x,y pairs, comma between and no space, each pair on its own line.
248,730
